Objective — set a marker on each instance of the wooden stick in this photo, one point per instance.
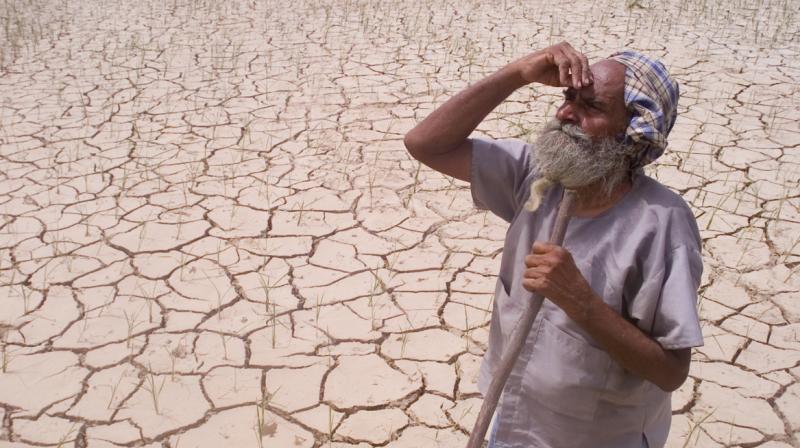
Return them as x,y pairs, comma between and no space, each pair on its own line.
520,333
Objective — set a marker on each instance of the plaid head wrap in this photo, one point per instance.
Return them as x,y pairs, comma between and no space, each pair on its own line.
651,96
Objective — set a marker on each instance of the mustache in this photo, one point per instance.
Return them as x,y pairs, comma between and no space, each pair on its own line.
572,131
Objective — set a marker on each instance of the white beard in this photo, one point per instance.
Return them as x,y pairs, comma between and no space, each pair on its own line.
563,154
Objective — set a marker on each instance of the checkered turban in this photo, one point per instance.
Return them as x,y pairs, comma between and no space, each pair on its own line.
651,96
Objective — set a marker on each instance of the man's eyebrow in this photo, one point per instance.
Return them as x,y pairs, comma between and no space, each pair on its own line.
591,98
596,100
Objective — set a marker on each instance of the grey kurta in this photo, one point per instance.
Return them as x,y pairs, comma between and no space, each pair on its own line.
642,257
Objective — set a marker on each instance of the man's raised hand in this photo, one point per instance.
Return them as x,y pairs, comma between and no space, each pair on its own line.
558,65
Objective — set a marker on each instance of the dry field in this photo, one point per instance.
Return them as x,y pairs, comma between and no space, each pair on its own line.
212,236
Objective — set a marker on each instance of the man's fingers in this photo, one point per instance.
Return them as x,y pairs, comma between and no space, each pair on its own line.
587,74
536,272
541,262
537,285
573,66
562,61
563,70
531,285
541,247
558,65
576,69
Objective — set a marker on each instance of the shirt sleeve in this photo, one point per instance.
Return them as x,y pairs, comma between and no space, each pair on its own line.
666,303
498,173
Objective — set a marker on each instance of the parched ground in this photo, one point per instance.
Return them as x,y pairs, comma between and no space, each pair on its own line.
212,235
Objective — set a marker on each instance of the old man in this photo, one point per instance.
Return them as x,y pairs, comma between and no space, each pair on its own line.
614,337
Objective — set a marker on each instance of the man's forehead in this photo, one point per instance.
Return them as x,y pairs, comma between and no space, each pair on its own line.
609,81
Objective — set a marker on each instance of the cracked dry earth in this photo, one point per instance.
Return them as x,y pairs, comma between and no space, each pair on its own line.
212,235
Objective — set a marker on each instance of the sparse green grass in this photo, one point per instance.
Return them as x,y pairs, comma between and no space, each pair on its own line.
153,386
694,427
219,295
131,323
414,186
67,437
403,341
114,391
318,309
224,340
274,327
467,329
300,211
262,428
266,286
6,355
330,426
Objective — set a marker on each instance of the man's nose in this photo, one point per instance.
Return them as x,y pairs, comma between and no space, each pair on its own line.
566,114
